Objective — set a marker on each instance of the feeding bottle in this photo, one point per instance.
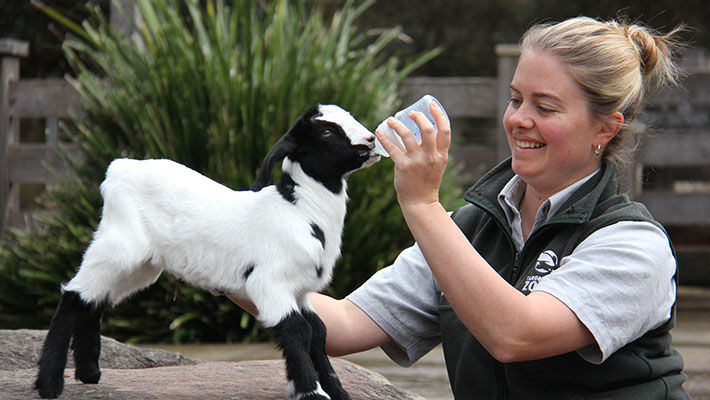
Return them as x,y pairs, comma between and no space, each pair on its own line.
422,105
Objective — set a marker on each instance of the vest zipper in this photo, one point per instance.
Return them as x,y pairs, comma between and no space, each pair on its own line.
503,226
515,273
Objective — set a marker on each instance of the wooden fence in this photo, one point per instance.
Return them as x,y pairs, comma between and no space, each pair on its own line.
25,163
672,176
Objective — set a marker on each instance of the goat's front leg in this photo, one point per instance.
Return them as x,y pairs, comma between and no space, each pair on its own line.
294,335
328,378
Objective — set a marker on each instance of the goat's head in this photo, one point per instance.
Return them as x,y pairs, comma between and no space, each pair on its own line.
327,142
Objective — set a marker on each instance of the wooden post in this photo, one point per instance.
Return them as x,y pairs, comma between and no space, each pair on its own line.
507,55
10,52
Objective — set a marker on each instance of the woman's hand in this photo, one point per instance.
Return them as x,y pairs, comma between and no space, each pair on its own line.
350,329
420,167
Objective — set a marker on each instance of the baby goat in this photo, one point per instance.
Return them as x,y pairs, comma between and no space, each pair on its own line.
273,245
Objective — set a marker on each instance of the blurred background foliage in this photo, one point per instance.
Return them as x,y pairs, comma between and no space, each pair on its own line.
212,84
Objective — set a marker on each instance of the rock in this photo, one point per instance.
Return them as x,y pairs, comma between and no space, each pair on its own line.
252,380
20,349
187,379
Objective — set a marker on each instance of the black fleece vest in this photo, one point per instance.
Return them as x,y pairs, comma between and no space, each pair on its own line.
647,368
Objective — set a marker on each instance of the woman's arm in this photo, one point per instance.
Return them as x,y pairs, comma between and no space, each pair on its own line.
510,325
350,330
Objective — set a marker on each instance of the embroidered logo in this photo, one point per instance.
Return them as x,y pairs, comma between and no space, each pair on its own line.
546,262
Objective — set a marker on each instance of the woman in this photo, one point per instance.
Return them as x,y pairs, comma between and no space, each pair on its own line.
548,284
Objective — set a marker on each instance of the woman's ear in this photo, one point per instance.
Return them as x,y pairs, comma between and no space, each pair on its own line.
611,126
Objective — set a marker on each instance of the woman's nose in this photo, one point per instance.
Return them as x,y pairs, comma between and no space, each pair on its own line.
520,117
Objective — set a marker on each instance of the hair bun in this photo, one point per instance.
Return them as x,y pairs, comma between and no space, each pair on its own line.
647,48
650,50
655,52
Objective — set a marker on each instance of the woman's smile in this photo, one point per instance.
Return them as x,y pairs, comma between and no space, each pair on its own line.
528,145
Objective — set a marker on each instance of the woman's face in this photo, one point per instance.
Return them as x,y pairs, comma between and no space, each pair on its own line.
550,131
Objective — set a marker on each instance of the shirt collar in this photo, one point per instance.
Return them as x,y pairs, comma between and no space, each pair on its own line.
512,193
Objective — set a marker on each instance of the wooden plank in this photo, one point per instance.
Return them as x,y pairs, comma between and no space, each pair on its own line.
32,162
463,97
14,47
677,149
693,89
42,98
507,55
692,264
20,219
673,209
9,133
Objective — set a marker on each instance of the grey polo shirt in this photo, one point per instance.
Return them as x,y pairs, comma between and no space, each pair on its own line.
618,281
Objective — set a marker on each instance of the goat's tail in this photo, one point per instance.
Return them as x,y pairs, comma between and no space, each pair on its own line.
77,318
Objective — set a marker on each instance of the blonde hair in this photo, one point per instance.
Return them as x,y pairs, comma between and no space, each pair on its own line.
615,63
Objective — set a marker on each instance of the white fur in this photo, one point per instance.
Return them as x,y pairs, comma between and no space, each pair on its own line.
291,389
160,215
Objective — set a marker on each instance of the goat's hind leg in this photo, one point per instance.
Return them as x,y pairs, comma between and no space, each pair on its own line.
99,281
50,378
87,344
294,336
327,376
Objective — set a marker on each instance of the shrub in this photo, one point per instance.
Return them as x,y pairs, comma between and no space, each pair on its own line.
211,87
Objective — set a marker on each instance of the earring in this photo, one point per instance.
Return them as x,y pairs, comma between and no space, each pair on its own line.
598,149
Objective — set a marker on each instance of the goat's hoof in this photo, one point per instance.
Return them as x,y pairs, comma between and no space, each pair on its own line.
49,387
313,396
334,388
339,394
90,375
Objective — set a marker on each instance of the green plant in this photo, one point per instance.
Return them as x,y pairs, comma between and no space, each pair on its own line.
211,87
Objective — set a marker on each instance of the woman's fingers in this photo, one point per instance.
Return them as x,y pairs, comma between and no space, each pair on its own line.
388,145
410,143
433,138
431,142
428,132
443,126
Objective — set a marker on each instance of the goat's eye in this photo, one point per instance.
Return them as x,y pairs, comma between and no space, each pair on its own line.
327,133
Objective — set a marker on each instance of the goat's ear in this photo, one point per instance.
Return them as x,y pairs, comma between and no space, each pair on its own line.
282,148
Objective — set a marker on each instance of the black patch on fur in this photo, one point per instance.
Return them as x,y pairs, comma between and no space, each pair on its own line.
319,271
294,335
75,318
326,375
317,233
286,187
249,270
86,344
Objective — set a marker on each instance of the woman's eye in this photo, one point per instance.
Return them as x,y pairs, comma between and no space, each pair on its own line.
545,110
514,101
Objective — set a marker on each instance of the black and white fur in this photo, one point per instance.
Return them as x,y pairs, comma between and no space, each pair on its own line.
273,245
